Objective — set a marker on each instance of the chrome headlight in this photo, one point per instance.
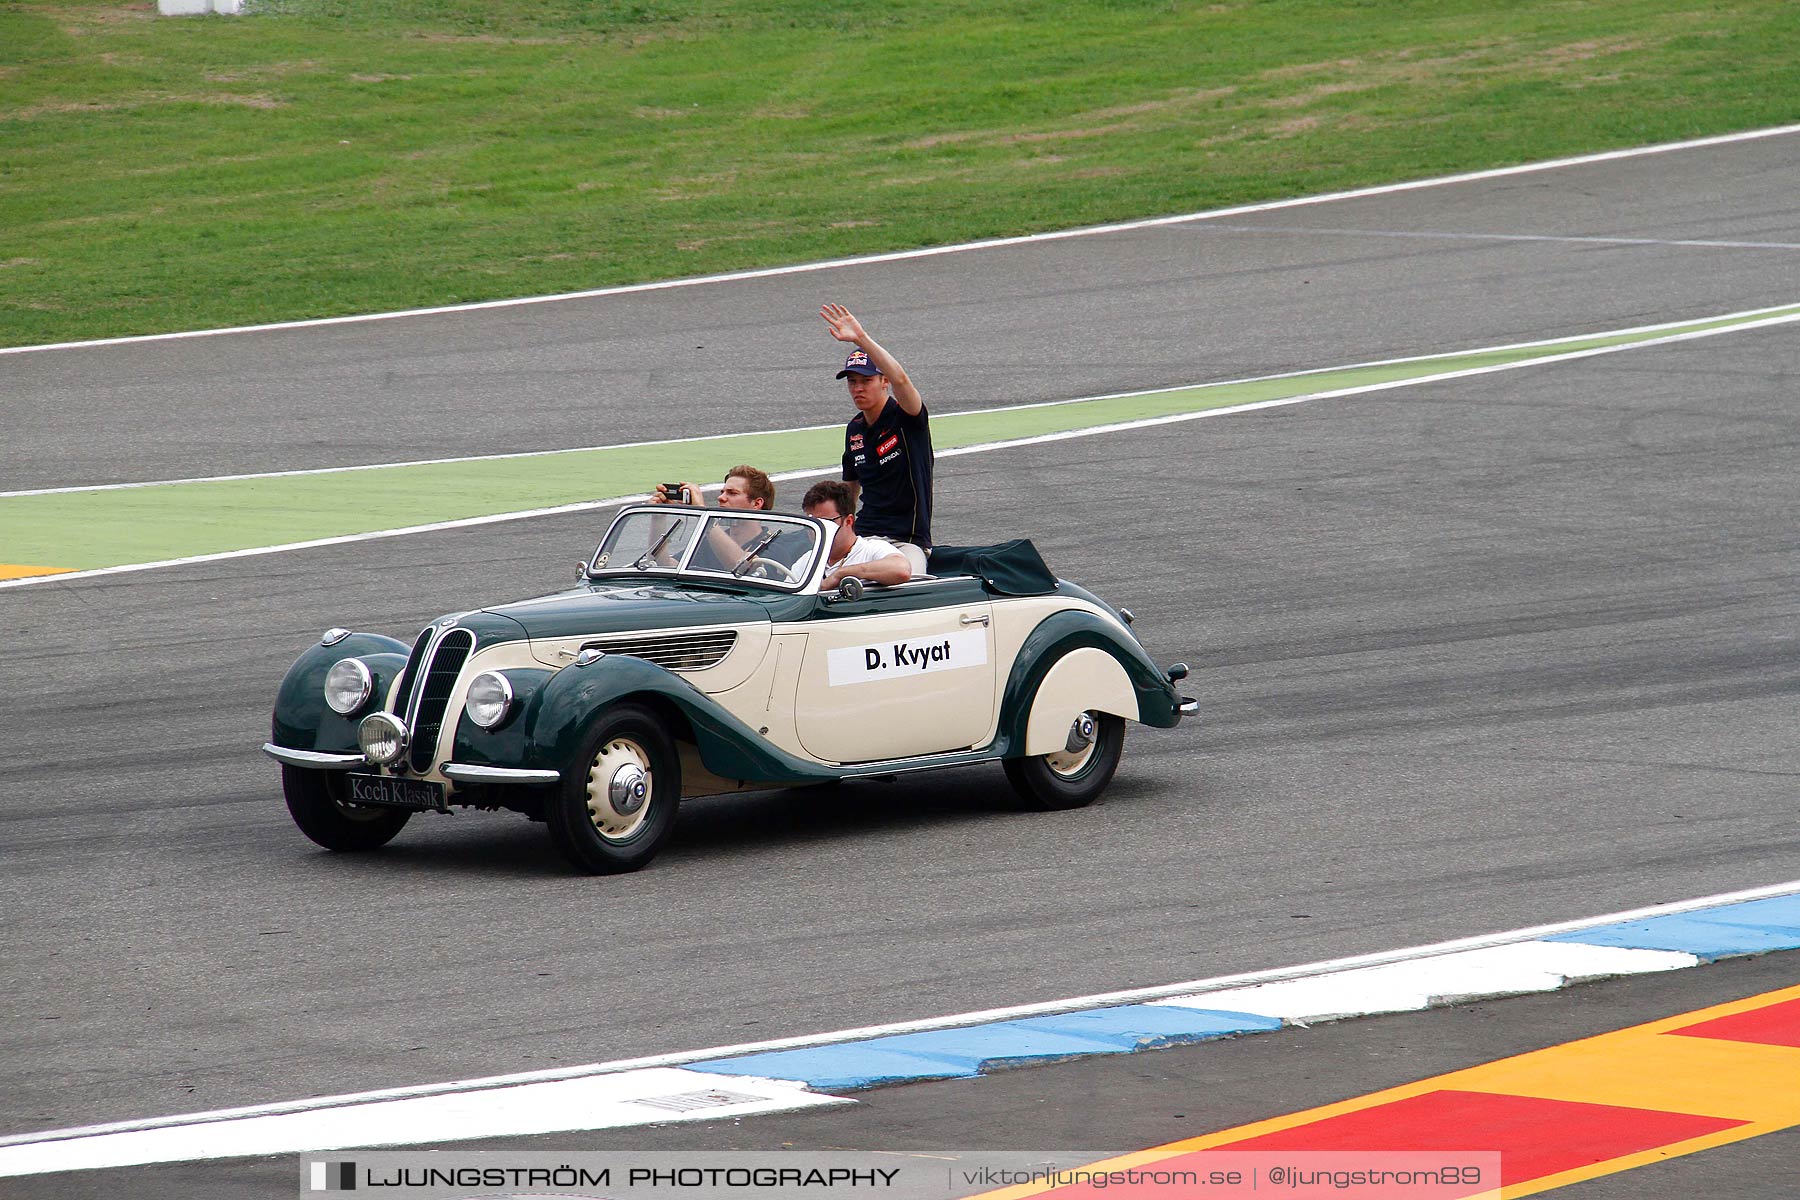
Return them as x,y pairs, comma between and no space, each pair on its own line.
347,685
489,699
382,738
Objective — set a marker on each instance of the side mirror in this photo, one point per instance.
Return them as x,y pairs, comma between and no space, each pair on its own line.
850,588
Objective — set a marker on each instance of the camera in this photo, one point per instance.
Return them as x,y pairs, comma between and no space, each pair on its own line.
677,493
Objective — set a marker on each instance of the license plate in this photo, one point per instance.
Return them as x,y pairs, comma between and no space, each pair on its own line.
419,795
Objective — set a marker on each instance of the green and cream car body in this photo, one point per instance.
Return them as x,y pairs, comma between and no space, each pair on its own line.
697,655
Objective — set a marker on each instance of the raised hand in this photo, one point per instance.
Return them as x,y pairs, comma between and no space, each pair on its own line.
842,324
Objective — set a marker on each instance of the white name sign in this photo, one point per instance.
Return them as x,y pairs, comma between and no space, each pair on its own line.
909,656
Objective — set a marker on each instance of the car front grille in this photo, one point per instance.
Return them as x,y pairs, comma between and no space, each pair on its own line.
432,686
695,650
403,693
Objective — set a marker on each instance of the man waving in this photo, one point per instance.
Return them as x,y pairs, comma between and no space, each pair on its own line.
887,444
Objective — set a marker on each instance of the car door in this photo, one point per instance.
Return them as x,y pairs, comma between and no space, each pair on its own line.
903,671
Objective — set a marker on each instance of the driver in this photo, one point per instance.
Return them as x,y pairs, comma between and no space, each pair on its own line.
750,490
875,559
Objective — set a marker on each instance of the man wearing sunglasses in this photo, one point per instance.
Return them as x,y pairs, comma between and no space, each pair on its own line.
874,559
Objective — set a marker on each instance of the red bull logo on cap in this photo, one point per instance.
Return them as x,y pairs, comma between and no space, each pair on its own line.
858,364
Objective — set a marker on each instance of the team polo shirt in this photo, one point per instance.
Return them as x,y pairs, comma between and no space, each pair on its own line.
892,461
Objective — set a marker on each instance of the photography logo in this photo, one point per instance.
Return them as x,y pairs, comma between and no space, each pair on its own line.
331,1177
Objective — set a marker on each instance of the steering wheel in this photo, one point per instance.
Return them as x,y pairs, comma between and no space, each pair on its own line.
768,568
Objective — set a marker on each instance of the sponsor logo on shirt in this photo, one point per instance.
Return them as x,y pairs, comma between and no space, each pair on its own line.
887,443
892,660
856,442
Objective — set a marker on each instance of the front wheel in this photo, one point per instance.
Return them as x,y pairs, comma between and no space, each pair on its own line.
1075,776
319,803
614,811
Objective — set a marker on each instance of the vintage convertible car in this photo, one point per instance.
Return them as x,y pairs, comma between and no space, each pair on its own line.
697,655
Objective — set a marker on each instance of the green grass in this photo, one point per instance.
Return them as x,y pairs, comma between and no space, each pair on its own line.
324,157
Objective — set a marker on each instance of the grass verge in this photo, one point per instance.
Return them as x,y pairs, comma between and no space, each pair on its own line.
323,157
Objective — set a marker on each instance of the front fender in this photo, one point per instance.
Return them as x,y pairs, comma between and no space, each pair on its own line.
1055,636
303,721
546,731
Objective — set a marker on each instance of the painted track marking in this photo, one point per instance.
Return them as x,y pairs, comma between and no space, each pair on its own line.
236,1132
110,529
1432,235
1558,1116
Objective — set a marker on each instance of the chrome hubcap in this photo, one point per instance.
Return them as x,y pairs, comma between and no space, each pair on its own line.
630,786
1084,732
619,788
1081,733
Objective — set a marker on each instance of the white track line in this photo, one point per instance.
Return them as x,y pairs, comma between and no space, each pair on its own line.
1362,389
655,1096
1750,318
1444,235
1515,969
1073,1004
982,448
935,251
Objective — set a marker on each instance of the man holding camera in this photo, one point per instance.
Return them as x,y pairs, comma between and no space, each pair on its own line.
746,489
887,444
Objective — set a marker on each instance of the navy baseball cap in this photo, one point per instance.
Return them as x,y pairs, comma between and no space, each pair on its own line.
858,364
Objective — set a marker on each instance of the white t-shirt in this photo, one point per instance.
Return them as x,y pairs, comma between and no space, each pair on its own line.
864,550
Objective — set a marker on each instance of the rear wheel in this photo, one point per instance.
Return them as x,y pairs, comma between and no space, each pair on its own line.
319,804
1076,775
615,810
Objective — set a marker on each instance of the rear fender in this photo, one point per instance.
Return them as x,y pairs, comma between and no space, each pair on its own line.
1085,679
1151,700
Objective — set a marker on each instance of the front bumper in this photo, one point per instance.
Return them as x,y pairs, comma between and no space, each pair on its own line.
317,760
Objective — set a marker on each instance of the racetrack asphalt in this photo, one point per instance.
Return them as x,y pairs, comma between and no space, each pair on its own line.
1246,295
1472,655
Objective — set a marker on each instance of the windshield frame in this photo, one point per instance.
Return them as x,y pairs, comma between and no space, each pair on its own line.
810,568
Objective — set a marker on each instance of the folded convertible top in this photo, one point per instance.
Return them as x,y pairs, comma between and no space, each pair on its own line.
1012,568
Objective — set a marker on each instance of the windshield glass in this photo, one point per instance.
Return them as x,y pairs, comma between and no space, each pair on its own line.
722,545
641,541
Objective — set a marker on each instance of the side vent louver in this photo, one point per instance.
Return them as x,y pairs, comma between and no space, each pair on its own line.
691,651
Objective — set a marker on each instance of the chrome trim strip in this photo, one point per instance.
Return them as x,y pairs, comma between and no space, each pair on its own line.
476,773
318,760
1189,707
928,762
922,582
